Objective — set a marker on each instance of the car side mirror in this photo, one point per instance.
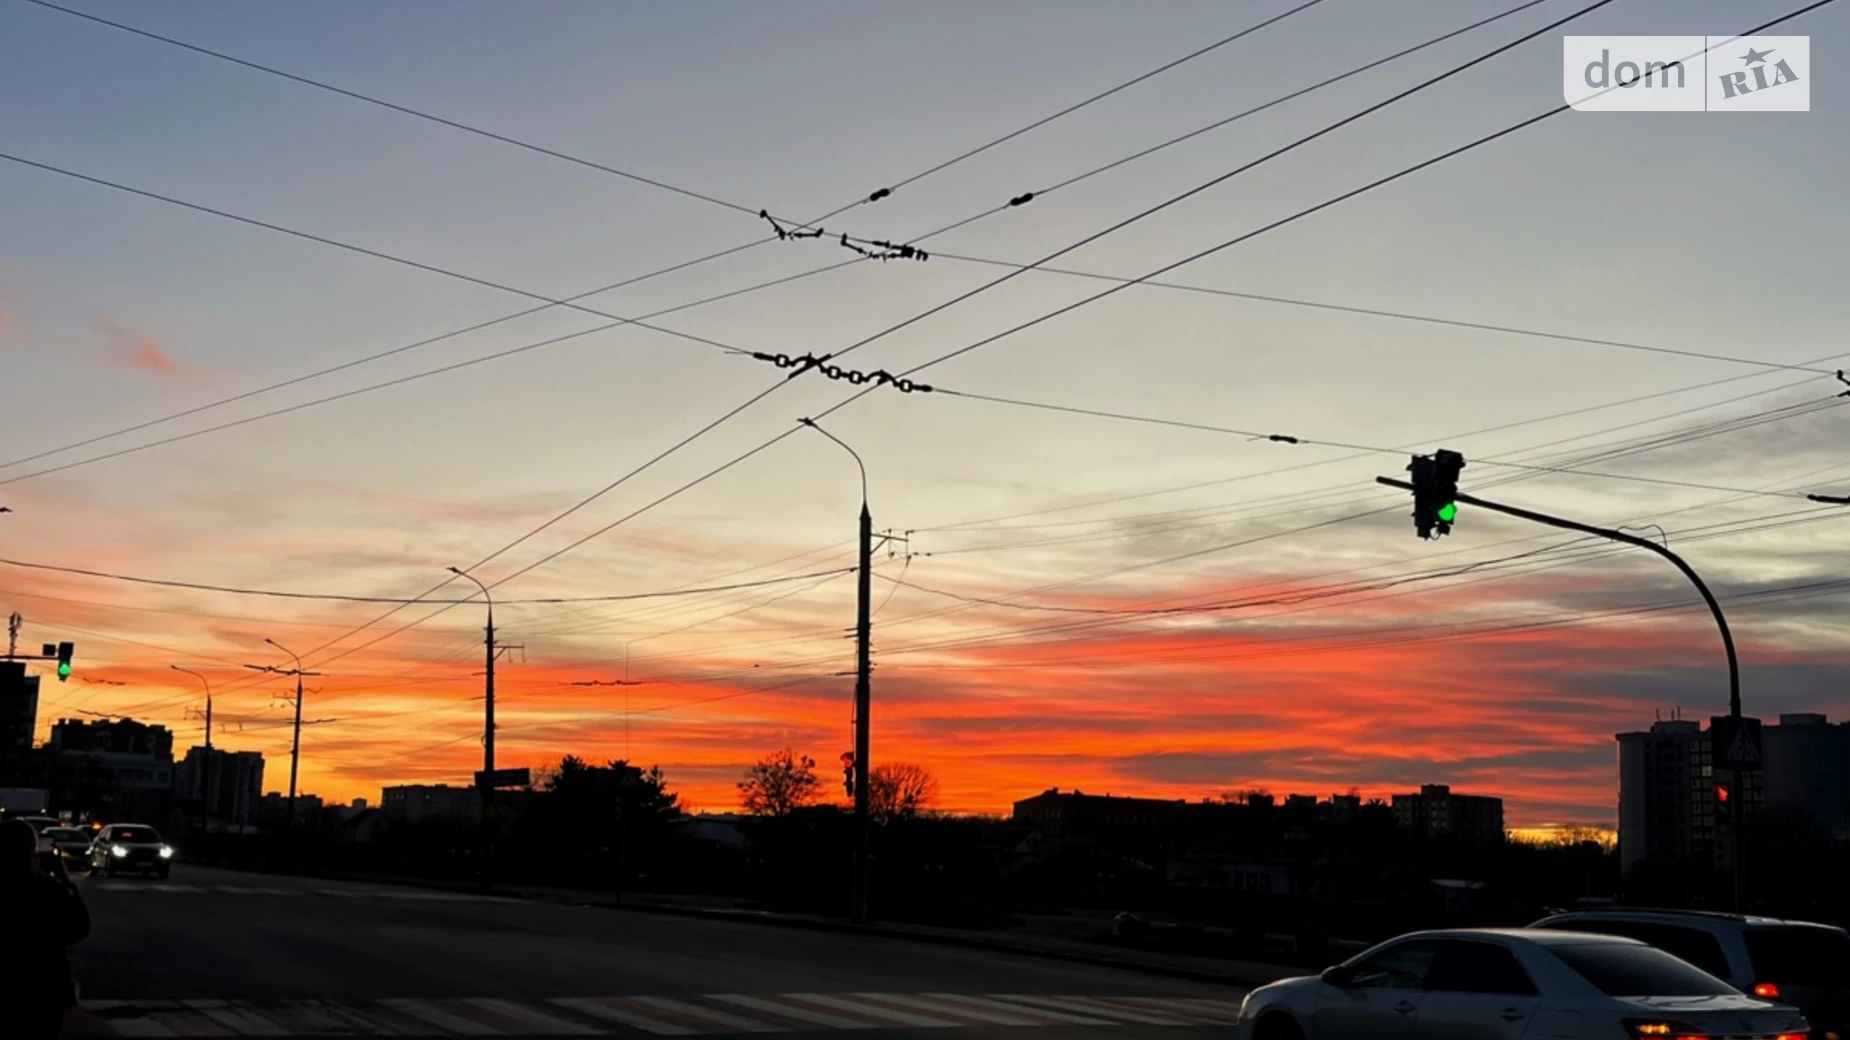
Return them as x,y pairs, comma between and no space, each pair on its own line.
1339,976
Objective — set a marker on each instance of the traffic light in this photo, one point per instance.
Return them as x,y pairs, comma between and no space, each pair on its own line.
1446,465
847,773
65,650
1435,491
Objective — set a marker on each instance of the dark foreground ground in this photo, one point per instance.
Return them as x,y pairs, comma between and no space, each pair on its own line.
220,953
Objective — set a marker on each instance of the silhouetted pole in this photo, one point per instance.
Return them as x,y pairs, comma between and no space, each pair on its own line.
863,689
863,708
206,793
295,741
1715,608
488,728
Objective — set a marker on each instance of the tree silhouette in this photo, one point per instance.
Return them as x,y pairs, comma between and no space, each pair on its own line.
778,784
900,790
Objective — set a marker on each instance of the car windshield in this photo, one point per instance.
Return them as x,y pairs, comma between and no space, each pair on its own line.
134,835
66,834
1800,956
1625,970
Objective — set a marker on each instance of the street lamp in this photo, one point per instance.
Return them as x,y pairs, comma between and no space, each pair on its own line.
295,741
488,683
863,693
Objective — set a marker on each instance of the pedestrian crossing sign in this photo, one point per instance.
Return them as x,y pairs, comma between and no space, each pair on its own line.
1735,742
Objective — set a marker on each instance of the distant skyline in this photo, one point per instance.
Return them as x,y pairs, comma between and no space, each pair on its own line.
1000,663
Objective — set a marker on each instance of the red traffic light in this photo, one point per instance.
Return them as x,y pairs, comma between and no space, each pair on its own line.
1721,793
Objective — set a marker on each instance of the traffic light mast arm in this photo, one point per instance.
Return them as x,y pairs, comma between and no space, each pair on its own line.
1721,622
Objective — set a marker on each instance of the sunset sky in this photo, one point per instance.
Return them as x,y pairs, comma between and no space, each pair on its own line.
1007,662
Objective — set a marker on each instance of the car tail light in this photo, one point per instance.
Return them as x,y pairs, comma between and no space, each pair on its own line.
1766,990
1650,1029
1643,1028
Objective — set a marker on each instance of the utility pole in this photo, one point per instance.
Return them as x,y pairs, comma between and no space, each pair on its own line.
863,691
295,740
490,651
1739,790
206,792
863,708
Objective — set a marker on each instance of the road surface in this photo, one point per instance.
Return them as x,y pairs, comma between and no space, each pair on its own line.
222,953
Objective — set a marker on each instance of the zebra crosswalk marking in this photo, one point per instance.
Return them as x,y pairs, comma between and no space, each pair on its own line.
241,1023
1103,1009
531,1018
799,1013
681,1015
688,1009
1062,1017
141,1027
437,1016
992,1017
622,1015
862,1007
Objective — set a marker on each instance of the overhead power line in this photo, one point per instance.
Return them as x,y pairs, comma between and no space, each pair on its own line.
683,266
352,248
1282,221
1012,274
1806,408
428,341
366,389
336,597
404,109
1102,95
1212,182
1377,312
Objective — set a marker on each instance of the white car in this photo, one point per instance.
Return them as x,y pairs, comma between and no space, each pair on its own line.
1505,984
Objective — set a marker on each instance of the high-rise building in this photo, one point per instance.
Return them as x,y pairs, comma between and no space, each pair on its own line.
1808,774
226,785
1436,813
118,770
1669,814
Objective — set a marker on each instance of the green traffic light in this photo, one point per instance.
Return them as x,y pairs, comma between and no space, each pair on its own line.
1448,512
64,669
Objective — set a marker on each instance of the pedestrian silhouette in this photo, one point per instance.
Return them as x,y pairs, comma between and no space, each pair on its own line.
43,913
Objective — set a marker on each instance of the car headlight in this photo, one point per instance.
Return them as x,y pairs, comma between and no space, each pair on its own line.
118,851
166,852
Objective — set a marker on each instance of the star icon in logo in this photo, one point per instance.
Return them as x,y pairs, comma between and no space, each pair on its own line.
1754,57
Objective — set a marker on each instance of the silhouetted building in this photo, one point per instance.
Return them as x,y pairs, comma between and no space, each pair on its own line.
1436,813
1808,773
1667,803
1080,813
273,809
225,785
442,804
19,709
115,770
